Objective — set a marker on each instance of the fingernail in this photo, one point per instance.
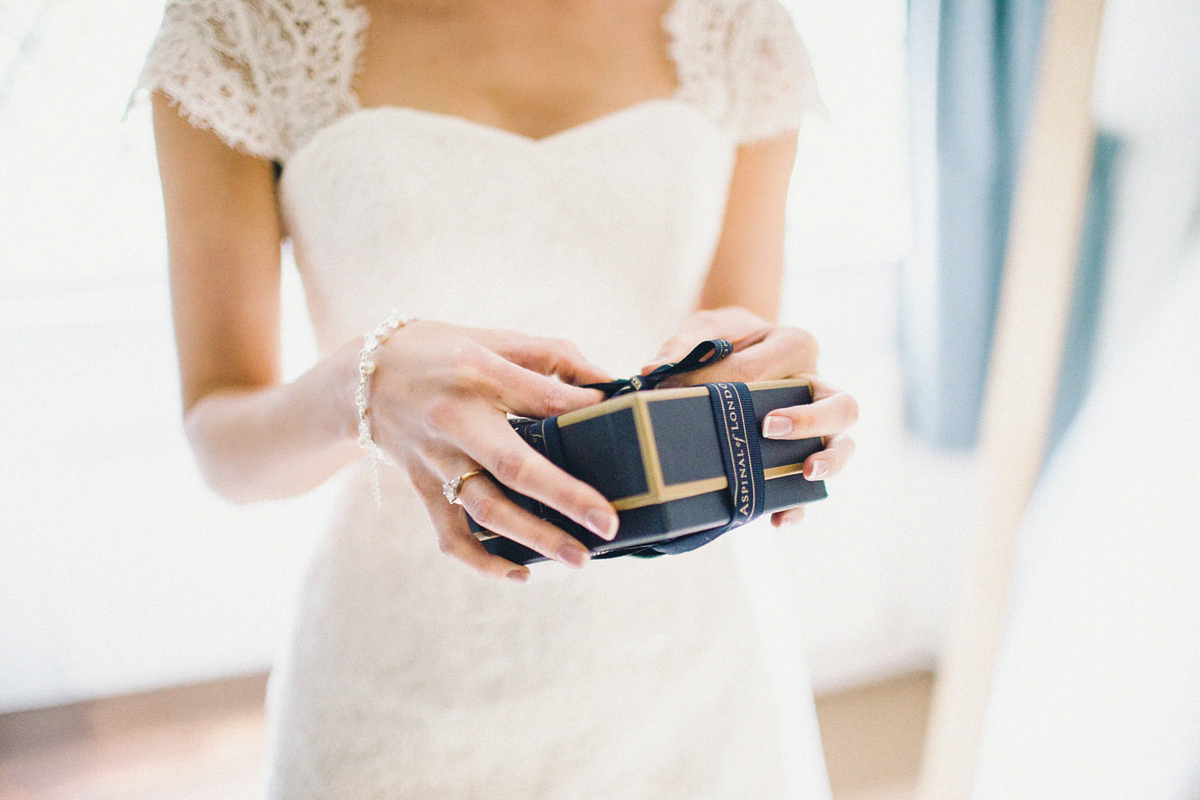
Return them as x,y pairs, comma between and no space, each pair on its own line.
519,575
774,427
573,555
819,470
601,523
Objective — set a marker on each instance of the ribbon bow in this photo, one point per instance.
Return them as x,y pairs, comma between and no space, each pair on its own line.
702,355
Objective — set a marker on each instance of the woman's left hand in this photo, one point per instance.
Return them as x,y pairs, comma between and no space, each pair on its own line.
764,351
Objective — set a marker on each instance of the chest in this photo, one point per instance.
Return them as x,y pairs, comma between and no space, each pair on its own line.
467,222
533,67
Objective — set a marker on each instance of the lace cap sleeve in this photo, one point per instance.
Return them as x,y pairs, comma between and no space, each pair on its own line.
263,75
742,62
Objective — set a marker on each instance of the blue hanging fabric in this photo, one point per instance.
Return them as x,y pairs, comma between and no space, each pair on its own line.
972,67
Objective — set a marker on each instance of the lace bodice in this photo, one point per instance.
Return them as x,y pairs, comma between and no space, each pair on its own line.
266,75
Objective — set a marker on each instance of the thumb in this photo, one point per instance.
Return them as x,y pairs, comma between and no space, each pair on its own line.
673,350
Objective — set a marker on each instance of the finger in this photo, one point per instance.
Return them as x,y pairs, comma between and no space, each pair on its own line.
488,506
493,443
675,349
559,357
831,460
820,388
454,536
764,355
733,324
679,345
791,516
782,353
831,414
522,391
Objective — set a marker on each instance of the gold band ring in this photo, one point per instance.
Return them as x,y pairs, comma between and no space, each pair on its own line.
452,489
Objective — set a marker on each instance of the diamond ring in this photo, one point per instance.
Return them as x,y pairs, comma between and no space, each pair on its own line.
452,489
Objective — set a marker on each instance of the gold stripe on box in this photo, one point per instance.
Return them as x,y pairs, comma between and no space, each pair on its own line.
783,471
658,490
648,444
598,410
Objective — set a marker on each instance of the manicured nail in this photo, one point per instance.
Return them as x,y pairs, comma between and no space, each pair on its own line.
819,470
519,575
601,523
573,555
774,427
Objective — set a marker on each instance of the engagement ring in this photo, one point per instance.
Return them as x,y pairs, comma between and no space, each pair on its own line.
453,488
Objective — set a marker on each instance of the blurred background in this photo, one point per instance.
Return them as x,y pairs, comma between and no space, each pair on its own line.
122,576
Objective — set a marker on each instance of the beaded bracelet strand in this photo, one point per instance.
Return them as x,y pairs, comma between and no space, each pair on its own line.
366,368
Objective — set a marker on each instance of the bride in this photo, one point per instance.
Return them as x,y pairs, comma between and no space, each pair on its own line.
602,176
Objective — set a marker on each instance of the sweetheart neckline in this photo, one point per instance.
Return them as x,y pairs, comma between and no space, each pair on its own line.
506,133
527,143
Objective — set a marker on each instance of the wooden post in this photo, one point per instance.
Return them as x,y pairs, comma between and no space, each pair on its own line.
1031,323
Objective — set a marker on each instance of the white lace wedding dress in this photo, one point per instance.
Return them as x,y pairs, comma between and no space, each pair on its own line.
407,675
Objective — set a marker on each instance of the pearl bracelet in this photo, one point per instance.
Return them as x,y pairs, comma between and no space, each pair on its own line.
366,368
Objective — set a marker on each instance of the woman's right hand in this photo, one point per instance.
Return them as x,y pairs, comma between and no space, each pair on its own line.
438,402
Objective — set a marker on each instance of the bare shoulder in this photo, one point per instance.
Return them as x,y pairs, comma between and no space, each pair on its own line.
183,141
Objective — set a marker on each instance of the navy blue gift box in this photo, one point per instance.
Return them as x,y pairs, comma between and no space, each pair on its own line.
681,466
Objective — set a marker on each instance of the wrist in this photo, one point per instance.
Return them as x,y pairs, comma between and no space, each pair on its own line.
343,382
372,341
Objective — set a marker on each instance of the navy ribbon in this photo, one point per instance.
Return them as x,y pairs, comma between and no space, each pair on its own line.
737,434
702,355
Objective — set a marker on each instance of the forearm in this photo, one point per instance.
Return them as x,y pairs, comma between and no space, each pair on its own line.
755,286
747,267
262,443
